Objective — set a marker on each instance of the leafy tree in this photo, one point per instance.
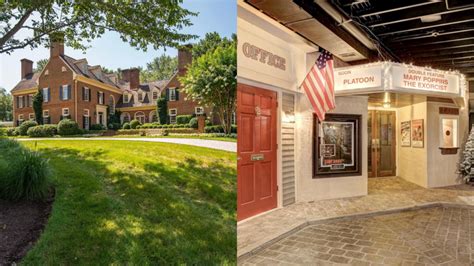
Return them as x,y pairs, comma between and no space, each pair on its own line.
211,80
210,42
6,105
38,107
162,110
40,64
141,23
162,67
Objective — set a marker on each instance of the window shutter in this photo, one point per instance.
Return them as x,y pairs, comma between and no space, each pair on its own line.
24,101
83,93
17,102
84,121
69,95
60,93
27,101
49,95
177,94
98,97
167,94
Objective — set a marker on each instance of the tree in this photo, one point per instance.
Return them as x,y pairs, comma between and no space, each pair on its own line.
210,42
140,23
40,64
466,166
211,80
162,67
6,105
38,107
162,110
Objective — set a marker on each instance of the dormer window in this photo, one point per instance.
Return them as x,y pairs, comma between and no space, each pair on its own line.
140,96
126,98
155,95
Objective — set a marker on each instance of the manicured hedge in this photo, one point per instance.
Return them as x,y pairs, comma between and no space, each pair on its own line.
219,129
193,122
126,126
97,127
23,128
68,127
183,119
43,131
134,124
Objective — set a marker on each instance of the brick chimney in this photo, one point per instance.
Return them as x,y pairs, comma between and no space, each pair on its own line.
132,76
185,57
26,67
57,44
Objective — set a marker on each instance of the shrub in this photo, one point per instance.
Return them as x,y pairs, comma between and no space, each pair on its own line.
68,127
193,123
183,119
3,131
126,126
134,124
97,127
26,174
42,131
12,131
23,128
115,126
219,129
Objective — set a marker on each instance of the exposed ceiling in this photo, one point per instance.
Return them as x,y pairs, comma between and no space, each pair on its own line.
435,33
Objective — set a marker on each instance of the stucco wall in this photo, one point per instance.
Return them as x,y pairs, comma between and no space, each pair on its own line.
412,162
309,189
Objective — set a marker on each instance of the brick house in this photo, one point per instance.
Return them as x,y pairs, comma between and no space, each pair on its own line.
73,89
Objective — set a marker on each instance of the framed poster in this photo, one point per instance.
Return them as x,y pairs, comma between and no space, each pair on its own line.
336,147
406,134
417,133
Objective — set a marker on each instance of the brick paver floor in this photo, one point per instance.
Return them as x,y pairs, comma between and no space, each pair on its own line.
385,195
428,236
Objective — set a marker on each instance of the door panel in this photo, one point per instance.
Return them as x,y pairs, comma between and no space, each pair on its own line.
256,151
381,143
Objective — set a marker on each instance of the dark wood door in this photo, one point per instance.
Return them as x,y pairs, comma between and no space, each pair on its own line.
381,143
256,151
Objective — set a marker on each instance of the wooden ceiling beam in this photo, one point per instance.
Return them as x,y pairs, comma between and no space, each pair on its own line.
468,44
443,40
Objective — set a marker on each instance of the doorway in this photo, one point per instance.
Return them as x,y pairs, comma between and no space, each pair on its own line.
256,151
381,143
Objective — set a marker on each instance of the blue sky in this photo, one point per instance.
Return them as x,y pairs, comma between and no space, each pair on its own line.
111,52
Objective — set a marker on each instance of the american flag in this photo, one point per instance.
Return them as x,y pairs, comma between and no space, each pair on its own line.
319,84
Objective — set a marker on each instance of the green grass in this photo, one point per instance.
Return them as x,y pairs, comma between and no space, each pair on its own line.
138,203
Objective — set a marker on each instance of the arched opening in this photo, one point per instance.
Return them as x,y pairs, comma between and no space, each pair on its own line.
125,118
153,117
111,105
140,116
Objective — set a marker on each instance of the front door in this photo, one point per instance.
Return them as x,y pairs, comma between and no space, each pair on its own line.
381,143
101,118
256,151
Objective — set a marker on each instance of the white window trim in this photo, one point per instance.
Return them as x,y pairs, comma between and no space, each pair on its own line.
173,115
63,114
31,116
86,112
45,95
45,113
196,110
153,95
126,97
101,98
20,102
21,118
30,100
172,99
456,129
65,95
87,94
141,96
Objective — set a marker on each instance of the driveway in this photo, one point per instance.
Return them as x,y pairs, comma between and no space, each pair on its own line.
213,144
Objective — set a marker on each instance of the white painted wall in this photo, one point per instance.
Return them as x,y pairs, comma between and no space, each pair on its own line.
310,189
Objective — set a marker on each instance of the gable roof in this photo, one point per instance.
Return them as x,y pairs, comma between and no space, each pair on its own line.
86,71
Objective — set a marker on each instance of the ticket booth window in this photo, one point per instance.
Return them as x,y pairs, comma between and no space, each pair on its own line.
449,132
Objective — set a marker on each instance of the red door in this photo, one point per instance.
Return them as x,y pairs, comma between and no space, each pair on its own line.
256,151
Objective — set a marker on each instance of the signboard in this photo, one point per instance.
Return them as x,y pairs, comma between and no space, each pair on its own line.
358,78
418,78
337,146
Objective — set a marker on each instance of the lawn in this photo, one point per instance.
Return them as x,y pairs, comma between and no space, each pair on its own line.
138,203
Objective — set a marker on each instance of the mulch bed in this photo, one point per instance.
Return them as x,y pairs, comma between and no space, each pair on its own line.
21,224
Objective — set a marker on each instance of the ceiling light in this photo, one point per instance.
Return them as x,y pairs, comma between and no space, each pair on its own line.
430,18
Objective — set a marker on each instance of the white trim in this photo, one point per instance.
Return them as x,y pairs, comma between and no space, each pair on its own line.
63,98
87,112
174,94
173,115
196,110
31,116
44,113
68,113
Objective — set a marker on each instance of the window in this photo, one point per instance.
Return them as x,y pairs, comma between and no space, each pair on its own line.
46,72
86,119
65,111
140,116
449,132
45,95
155,95
173,113
199,110
46,118
63,69
87,94
172,92
30,100
86,112
20,118
45,113
65,92
140,97
125,117
20,102
111,105
126,98
100,96
31,116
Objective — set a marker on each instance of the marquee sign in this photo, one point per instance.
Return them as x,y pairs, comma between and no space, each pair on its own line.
396,77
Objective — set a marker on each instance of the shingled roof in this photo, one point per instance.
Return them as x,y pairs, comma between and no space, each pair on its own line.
86,71
29,82
147,87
